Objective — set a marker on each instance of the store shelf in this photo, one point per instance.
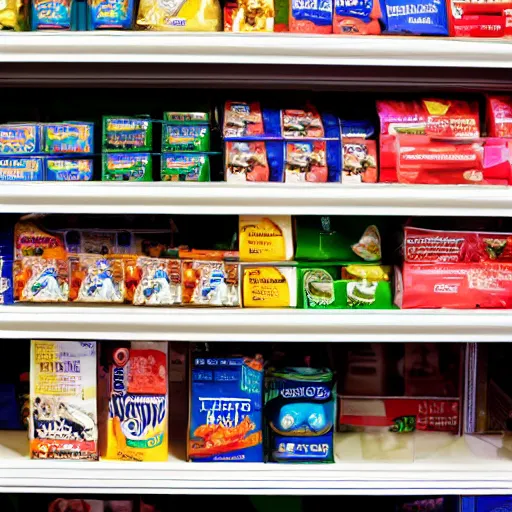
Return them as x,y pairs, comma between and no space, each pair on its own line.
224,324
267,198
225,48
465,474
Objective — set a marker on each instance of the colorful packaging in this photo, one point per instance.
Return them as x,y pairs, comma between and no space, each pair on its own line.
354,286
13,15
249,16
265,238
499,116
186,131
73,137
138,402
65,169
314,17
189,15
359,161
306,161
454,285
421,18
243,119
127,167
6,270
269,286
341,239
63,420
185,167
124,134
209,283
226,409
20,139
300,415
480,18
110,14
96,278
157,282
250,161
21,168
76,505
437,118
54,14
358,17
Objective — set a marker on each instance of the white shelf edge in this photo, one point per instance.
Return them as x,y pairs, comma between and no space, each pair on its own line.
62,321
226,48
268,198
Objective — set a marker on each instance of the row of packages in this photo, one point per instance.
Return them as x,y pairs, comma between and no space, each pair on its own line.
428,17
306,262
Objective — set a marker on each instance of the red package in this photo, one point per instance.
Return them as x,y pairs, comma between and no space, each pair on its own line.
229,10
246,161
480,18
499,116
242,119
306,161
434,117
432,246
301,123
359,160
454,285
147,372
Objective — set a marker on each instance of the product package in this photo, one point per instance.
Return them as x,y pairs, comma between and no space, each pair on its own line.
6,266
63,420
13,15
157,282
424,160
189,15
249,16
185,167
68,137
111,14
293,145
186,131
138,402
499,116
359,17
126,134
359,153
19,168
265,238
480,18
311,17
300,415
269,286
127,167
210,278
437,118
421,18
57,15
20,139
327,286
226,409
341,239
65,169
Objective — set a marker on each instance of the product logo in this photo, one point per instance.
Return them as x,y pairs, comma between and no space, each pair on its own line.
446,288
312,392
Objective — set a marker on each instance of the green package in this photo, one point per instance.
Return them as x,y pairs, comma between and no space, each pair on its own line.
122,134
185,167
343,239
127,167
354,286
186,131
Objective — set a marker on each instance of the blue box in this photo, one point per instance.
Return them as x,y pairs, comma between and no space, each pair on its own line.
69,169
226,413
19,168
70,137
20,139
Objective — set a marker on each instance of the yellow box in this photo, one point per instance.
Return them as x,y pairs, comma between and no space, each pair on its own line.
269,286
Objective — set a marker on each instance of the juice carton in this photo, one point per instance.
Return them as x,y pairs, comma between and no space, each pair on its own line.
300,415
63,417
226,410
138,402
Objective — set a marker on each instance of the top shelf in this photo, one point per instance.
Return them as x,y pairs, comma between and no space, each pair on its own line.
225,48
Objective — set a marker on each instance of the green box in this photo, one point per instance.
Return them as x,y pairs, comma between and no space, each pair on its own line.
123,134
185,167
186,131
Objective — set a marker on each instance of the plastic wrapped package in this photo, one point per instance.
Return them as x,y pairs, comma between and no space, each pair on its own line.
360,17
13,15
111,14
421,18
311,17
249,16
189,15
480,18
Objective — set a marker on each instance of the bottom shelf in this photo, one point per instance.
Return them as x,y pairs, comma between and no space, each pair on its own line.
442,465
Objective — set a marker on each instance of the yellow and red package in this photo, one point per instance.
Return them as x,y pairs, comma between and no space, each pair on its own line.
249,16
499,116
360,17
442,118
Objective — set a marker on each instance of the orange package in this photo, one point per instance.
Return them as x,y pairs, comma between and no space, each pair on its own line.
363,18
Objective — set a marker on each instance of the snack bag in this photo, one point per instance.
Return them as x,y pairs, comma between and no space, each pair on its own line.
63,421
300,414
226,409
185,167
306,161
480,18
358,17
13,15
314,17
422,18
269,286
76,505
499,116
265,238
21,168
138,402
124,134
110,14
127,167
51,15
74,137
20,139
189,15
251,16
65,169
243,119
